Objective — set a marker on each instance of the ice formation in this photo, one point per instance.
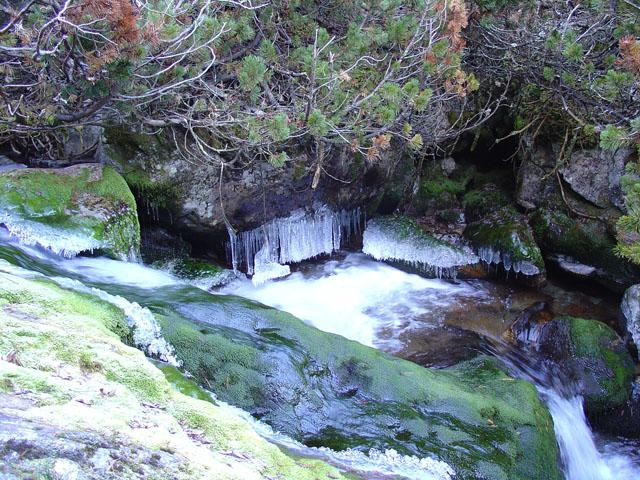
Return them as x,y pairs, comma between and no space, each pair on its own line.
373,464
302,235
146,332
490,255
385,239
65,242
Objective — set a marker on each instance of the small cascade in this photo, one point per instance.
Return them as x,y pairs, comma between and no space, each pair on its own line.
300,236
492,256
386,240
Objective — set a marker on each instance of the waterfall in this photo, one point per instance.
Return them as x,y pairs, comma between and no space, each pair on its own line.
304,234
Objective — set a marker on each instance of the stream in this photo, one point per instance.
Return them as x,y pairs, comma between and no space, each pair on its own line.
432,322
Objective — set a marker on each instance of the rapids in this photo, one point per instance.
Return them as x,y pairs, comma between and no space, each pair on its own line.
364,300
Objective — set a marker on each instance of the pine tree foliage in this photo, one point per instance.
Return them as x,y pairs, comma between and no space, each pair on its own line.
235,78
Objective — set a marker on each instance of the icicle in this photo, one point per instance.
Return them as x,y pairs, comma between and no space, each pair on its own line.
385,239
300,236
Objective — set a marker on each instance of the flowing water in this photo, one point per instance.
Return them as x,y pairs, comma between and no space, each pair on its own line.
369,302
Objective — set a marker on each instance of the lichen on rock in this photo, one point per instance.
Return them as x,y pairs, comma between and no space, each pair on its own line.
81,401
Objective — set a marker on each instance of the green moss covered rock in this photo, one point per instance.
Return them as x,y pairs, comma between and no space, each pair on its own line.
71,210
504,238
325,390
583,241
595,357
80,398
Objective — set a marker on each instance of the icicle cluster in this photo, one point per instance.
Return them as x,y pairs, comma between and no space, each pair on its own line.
490,255
302,235
385,239
64,242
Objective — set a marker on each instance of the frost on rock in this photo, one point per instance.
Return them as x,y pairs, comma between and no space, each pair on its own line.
400,239
630,308
67,243
302,235
505,238
147,334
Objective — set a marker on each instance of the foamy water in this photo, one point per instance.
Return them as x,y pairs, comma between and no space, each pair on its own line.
356,297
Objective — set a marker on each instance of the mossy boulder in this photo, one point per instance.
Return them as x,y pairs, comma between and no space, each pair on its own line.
401,240
594,356
325,390
504,238
70,210
586,242
483,201
77,397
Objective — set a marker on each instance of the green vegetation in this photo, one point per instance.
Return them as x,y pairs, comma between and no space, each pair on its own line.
250,82
91,202
61,346
595,344
282,370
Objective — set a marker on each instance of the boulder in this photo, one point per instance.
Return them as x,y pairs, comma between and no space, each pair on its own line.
401,240
189,196
595,175
82,208
582,248
630,308
589,352
76,402
504,238
325,390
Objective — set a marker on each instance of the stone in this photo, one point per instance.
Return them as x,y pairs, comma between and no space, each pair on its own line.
595,175
630,308
82,208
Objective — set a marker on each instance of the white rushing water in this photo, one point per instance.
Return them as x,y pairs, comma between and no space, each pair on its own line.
357,298
581,456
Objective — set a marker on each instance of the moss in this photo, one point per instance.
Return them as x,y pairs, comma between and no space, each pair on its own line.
595,345
127,397
507,232
191,268
90,200
481,202
326,390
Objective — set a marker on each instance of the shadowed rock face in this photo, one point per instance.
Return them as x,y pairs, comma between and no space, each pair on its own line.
191,197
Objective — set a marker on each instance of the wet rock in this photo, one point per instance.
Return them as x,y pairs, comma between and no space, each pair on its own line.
503,238
583,248
622,421
630,308
589,352
484,201
141,429
190,196
71,210
400,239
595,175
325,390
534,186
